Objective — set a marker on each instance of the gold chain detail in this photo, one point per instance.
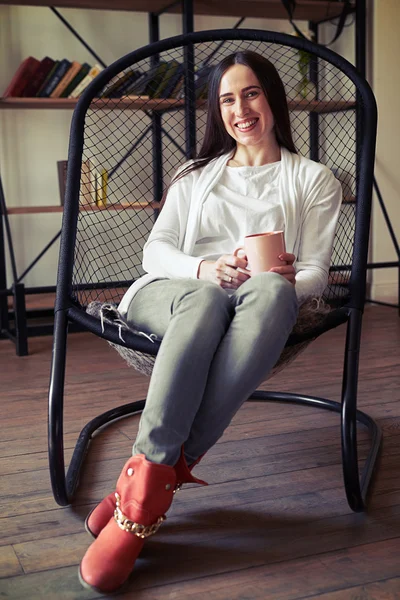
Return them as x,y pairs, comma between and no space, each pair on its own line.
177,488
142,531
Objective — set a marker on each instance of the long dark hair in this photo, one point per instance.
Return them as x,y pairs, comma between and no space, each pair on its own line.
217,140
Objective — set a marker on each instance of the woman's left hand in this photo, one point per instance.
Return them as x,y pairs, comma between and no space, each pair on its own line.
287,270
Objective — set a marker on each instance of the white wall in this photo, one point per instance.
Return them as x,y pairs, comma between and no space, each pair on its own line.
386,85
384,77
33,140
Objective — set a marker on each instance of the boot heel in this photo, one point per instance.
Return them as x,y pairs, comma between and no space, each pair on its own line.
100,515
94,536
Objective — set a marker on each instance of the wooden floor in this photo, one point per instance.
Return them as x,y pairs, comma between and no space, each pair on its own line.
273,524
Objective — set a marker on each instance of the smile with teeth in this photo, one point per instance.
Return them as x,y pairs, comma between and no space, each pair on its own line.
245,125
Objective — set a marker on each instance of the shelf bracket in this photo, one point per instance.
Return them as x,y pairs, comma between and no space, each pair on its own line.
78,37
39,256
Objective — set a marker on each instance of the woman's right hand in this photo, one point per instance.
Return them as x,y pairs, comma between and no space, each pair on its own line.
229,271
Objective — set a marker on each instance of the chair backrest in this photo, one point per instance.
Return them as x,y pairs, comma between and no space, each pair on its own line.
124,149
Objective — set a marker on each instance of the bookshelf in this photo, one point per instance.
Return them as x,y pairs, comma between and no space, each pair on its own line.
100,104
313,11
316,11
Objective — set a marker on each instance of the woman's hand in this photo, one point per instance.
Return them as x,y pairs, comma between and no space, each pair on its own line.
229,272
287,270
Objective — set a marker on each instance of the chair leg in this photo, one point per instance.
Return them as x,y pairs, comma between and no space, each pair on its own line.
56,406
64,485
356,488
21,330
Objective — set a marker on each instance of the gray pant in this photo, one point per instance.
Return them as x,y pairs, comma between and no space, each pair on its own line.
216,350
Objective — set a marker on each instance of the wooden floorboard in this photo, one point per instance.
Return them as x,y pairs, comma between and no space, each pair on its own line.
273,524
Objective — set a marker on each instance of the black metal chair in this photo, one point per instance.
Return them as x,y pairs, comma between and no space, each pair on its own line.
140,142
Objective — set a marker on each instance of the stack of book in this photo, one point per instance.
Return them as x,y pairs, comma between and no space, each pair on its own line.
48,78
164,80
94,183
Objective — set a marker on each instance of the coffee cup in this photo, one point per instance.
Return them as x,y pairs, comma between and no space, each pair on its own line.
262,251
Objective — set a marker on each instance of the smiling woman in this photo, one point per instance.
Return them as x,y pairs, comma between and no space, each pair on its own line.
248,118
222,327
258,72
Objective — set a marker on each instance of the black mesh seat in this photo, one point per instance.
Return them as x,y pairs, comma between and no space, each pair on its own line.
123,152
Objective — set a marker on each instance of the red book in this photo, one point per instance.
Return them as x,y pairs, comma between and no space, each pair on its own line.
38,77
22,76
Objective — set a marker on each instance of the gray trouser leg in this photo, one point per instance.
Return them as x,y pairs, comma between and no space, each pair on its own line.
215,352
266,310
191,317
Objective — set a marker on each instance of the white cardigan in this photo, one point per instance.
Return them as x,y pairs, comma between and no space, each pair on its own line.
310,196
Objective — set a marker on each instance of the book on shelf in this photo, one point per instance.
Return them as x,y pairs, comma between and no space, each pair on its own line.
98,178
121,85
155,81
101,189
83,71
176,92
147,84
126,90
80,88
38,77
21,77
175,77
53,81
48,77
201,78
169,71
68,77
88,191
93,183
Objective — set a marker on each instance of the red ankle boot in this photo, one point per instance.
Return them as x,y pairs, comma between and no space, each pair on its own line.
144,493
102,513
183,472
99,516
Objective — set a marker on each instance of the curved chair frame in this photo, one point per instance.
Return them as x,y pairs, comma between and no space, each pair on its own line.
64,485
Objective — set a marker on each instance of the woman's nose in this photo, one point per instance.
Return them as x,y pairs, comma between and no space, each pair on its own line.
242,108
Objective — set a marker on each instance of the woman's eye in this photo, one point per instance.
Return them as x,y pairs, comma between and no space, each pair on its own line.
251,94
226,100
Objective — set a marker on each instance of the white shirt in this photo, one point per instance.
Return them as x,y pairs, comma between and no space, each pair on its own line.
310,197
243,202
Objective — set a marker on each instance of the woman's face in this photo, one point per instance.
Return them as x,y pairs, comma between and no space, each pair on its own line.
244,108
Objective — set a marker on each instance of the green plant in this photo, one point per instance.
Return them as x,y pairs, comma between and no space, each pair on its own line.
305,85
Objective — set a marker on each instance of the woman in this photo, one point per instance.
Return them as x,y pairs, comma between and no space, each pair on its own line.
222,330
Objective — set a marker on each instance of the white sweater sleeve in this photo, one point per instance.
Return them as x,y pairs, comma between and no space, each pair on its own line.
320,213
162,256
